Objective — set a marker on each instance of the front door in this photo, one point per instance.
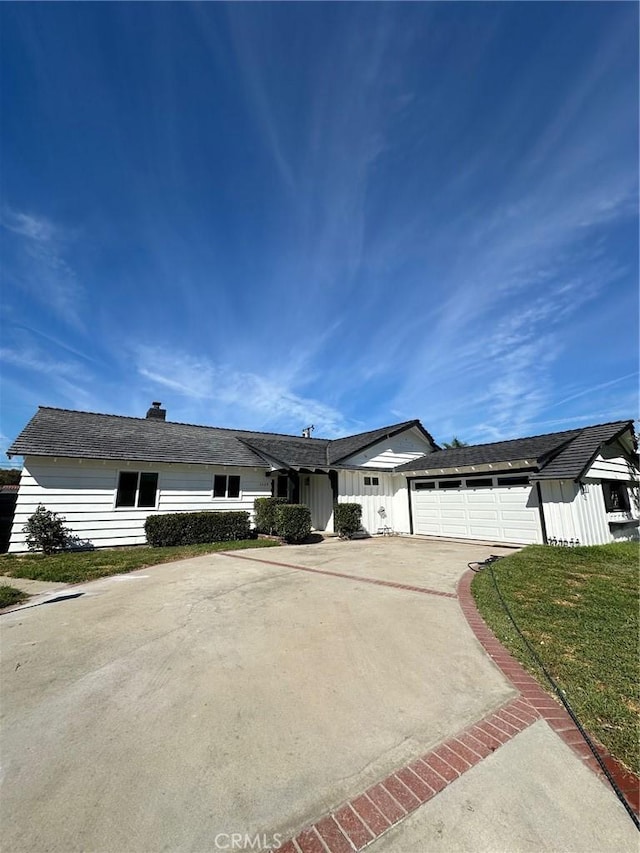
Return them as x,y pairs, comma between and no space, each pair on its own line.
316,493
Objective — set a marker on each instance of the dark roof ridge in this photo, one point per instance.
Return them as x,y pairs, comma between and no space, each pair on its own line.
567,432
182,423
378,429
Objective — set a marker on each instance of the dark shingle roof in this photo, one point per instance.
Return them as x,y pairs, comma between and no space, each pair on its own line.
60,432
292,450
87,435
558,455
574,459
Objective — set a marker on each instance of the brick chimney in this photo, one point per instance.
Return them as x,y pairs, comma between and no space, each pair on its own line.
156,413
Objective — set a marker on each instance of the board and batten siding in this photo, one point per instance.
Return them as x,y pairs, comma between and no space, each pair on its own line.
577,511
351,489
83,491
401,521
393,451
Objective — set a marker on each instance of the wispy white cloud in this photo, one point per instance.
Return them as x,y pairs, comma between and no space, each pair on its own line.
40,267
35,228
57,381
220,395
591,389
412,242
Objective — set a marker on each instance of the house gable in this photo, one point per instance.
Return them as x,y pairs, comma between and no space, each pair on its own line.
614,462
392,450
577,457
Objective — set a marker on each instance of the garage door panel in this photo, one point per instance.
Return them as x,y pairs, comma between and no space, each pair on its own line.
517,515
480,496
426,517
484,532
499,514
459,530
486,514
524,535
513,494
431,527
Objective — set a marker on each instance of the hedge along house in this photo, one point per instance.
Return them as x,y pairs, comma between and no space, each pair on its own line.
107,473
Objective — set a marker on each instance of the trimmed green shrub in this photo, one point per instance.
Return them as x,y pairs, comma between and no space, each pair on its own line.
193,528
293,522
347,519
265,514
46,531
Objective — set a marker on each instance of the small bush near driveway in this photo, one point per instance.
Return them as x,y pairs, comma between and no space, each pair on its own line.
347,519
578,607
293,522
193,528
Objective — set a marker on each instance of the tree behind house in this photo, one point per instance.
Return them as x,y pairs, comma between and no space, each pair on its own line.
455,442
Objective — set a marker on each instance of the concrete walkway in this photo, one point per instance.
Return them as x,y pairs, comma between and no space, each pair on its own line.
32,587
174,707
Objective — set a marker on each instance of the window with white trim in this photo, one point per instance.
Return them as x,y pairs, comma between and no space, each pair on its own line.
226,486
371,481
137,489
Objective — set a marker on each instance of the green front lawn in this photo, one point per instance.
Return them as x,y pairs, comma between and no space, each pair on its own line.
78,566
578,607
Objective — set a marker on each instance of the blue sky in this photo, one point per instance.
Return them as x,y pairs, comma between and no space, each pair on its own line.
267,216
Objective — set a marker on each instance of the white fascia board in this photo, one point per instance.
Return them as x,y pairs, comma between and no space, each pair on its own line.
483,468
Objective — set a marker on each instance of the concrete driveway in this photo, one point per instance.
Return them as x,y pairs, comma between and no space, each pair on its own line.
173,707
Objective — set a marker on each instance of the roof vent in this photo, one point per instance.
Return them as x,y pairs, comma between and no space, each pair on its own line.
156,413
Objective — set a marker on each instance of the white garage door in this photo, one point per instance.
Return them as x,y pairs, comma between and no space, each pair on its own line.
496,509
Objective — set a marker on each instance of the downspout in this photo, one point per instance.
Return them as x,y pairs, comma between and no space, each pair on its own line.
410,507
543,523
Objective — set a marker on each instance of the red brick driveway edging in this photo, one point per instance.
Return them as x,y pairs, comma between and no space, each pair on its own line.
548,707
362,578
364,818
367,816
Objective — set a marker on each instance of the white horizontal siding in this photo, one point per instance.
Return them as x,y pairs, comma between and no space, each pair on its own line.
393,451
84,493
351,489
616,468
